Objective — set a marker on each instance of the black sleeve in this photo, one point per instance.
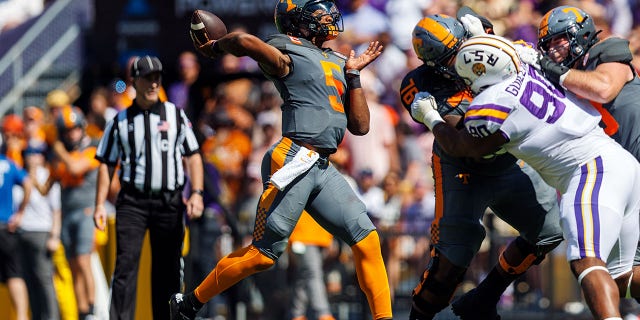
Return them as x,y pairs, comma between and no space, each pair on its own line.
408,90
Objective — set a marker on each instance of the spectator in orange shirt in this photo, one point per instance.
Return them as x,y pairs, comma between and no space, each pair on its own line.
229,150
75,167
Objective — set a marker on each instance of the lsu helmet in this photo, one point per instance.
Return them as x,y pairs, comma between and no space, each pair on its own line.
69,118
301,18
572,22
436,39
485,60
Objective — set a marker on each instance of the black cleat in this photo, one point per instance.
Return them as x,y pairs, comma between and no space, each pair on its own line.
417,312
179,310
470,306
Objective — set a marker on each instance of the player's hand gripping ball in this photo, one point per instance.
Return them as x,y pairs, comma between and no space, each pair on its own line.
205,29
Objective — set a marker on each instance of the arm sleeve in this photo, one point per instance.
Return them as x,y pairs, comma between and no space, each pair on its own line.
189,143
108,151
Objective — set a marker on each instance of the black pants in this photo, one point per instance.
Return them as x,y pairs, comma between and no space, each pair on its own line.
10,263
162,215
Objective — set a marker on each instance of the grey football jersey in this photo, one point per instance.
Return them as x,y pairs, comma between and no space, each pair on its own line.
314,93
625,108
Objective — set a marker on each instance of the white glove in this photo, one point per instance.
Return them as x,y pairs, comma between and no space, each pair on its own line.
529,55
424,109
472,24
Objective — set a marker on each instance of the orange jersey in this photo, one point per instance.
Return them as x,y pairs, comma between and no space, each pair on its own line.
94,131
229,153
66,178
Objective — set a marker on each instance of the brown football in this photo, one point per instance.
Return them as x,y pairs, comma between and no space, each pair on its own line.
206,26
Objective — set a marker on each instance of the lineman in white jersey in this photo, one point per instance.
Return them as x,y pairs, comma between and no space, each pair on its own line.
516,109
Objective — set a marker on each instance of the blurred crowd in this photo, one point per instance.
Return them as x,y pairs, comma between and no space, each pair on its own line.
237,118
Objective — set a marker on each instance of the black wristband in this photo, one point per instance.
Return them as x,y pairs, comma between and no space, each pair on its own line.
353,82
198,191
215,47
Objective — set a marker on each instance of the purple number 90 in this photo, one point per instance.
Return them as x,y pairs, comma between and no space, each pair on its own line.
544,98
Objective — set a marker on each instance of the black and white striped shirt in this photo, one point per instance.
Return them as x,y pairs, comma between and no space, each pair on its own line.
163,132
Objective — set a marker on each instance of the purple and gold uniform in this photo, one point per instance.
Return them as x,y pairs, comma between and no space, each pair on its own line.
597,178
465,188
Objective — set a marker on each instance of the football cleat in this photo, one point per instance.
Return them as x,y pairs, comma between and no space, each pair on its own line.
469,306
179,310
417,312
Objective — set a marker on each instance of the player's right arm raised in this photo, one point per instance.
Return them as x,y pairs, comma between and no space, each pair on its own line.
271,59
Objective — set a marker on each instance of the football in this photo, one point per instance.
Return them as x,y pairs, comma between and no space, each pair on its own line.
206,26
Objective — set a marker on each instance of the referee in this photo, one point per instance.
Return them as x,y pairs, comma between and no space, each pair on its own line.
149,140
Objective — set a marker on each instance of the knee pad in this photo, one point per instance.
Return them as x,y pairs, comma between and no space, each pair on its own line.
443,291
533,255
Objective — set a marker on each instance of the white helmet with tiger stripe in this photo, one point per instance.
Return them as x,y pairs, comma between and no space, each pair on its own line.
485,60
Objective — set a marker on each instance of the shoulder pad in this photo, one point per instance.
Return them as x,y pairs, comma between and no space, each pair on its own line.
281,41
609,50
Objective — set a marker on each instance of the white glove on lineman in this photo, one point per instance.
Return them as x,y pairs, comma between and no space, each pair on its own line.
528,55
472,24
424,108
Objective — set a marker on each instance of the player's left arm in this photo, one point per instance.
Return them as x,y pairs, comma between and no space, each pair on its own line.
460,143
455,142
357,109
602,84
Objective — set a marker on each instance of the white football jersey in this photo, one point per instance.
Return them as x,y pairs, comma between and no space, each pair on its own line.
546,129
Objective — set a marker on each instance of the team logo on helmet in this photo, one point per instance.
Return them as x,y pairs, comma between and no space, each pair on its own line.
478,69
302,18
573,23
436,39
577,15
486,60
70,117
